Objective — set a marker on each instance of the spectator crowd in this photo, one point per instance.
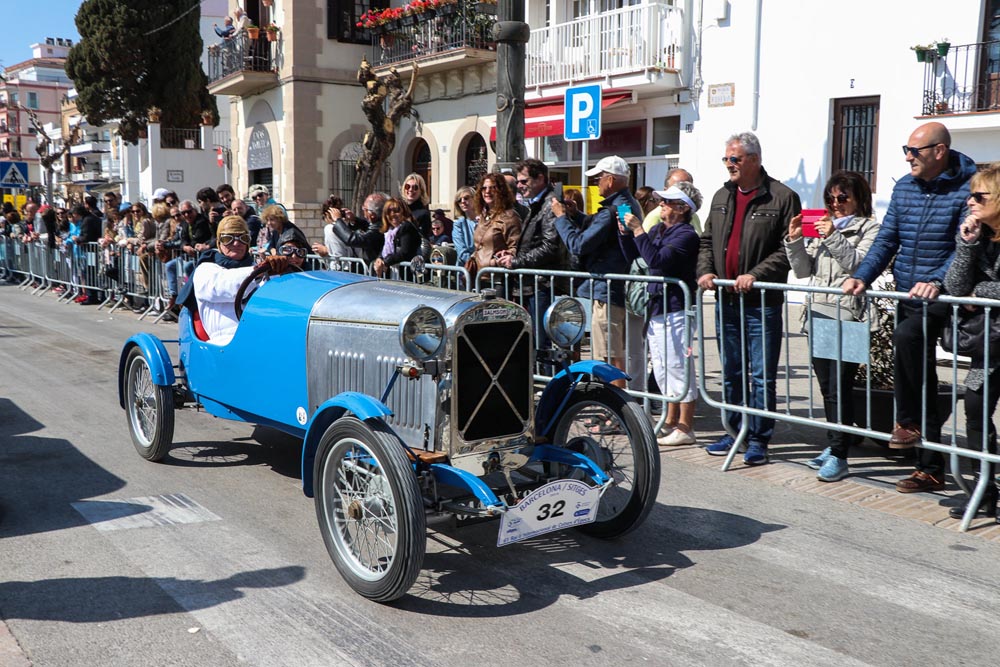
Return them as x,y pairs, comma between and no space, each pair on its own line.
937,237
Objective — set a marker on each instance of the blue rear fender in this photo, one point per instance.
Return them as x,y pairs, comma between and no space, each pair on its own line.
161,368
363,406
555,393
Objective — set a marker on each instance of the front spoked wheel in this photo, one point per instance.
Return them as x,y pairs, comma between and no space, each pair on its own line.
369,508
149,408
604,424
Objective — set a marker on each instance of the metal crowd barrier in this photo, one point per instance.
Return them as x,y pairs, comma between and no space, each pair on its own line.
841,342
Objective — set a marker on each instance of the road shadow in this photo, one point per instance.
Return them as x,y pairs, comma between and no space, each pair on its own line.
101,599
41,477
264,447
471,577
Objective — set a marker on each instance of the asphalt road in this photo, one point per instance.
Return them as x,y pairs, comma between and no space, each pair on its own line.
214,558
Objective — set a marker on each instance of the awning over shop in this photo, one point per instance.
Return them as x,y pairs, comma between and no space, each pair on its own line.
546,118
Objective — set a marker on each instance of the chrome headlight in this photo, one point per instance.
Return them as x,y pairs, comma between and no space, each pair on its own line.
421,333
565,321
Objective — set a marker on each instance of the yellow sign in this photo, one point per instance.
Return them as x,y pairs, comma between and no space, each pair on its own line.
593,196
21,201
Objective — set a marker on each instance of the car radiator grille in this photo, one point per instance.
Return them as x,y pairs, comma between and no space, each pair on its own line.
492,380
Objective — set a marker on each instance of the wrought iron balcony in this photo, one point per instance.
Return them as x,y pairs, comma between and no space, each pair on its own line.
243,66
965,79
635,40
455,35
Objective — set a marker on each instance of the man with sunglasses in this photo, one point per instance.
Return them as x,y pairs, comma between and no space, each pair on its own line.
925,210
218,276
742,241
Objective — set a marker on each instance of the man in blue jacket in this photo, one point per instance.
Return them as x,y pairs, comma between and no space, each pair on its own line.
596,244
926,207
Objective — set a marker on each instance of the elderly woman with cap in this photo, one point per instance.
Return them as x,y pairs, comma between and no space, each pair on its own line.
218,276
669,249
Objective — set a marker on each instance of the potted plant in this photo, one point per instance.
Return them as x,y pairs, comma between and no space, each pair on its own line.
487,6
253,31
923,52
207,117
942,47
154,114
446,7
272,32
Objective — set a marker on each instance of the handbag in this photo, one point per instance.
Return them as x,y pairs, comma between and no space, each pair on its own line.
472,266
971,327
637,296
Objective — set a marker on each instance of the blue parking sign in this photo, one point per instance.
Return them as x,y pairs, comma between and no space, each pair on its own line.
583,113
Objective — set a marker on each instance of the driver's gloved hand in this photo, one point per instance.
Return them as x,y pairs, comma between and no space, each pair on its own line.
276,264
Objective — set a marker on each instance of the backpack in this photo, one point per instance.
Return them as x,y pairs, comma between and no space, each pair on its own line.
637,295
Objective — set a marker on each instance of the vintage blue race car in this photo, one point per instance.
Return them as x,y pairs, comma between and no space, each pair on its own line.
412,402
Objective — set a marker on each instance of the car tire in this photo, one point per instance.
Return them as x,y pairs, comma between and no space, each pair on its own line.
369,507
149,409
603,423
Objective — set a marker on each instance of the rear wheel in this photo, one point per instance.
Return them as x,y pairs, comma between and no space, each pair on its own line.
149,409
369,508
604,424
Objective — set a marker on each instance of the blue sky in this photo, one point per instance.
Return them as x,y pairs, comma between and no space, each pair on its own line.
35,20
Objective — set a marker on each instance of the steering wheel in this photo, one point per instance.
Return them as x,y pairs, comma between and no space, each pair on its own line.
257,272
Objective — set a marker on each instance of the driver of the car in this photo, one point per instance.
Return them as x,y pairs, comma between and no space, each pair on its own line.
219,274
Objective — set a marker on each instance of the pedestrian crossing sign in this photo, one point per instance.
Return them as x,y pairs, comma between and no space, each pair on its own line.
13,174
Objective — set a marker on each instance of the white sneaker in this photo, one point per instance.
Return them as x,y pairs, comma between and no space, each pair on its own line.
666,429
677,437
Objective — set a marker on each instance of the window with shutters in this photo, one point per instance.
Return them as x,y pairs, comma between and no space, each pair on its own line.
855,136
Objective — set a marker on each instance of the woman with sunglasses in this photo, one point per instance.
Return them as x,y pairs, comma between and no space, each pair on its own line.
844,236
975,271
218,276
402,239
464,226
413,191
670,249
499,228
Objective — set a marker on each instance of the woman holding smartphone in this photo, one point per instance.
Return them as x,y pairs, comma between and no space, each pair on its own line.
845,234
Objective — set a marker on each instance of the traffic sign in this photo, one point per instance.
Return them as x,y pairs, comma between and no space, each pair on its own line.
583,113
13,174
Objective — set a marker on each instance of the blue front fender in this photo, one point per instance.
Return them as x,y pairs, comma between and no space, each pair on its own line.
362,405
555,393
161,368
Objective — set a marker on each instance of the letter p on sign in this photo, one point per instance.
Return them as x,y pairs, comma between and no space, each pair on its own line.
583,113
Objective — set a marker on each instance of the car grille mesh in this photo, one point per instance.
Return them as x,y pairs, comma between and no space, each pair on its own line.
492,360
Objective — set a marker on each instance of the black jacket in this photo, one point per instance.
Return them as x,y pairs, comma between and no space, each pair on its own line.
405,245
90,229
201,230
762,253
540,246
362,236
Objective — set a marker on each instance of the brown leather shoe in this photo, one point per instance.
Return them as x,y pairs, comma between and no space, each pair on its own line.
904,437
918,482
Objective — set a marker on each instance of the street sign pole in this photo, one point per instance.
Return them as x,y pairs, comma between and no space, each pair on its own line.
582,106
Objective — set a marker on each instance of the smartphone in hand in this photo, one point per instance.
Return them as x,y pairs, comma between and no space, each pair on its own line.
809,218
623,210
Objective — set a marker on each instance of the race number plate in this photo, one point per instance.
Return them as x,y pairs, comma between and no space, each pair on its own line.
555,506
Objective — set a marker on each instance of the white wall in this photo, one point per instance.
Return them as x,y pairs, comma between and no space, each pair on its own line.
810,54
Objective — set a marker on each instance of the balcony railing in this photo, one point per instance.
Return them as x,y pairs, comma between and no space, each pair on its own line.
630,40
964,80
429,34
178,137
242,66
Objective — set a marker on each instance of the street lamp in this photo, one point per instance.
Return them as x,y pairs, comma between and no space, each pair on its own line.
511,34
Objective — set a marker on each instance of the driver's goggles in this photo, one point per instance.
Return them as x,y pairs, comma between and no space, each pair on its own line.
290,250
229,239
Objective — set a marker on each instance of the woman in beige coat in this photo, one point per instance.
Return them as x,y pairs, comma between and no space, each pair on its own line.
846,233
499,228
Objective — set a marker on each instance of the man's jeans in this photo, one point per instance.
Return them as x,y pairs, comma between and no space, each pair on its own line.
763,342
172,268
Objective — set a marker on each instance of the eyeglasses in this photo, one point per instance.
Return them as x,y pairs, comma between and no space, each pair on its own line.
260,194
137,210
732,159
411,186
177,215
523,181
979,197
915,150
187,211
290,250
673,203
841,198
487,188
230,239
465,198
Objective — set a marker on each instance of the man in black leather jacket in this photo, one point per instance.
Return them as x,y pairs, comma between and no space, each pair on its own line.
539,246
